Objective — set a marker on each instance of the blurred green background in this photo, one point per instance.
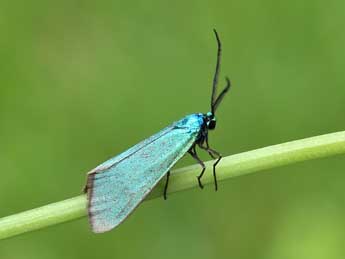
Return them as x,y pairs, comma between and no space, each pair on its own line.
81,81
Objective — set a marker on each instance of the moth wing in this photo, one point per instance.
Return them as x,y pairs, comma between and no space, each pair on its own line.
116,187
131,150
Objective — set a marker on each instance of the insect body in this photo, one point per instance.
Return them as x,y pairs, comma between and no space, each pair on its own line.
116,187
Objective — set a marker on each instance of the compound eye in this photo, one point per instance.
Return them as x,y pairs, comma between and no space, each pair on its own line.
211,125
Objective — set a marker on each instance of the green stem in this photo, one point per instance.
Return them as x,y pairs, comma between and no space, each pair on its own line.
184,178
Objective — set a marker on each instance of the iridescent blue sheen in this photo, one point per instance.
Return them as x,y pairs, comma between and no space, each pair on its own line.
116,187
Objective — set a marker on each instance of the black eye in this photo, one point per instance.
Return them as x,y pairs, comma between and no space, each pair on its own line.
211,125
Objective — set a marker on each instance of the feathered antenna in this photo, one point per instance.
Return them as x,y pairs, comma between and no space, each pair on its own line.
216,100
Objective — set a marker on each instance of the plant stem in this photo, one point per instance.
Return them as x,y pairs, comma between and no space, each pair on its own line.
184,178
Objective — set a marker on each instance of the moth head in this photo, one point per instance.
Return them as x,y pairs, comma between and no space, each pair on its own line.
210,120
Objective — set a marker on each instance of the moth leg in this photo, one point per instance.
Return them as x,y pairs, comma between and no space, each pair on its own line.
214,154
166,186
193,153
